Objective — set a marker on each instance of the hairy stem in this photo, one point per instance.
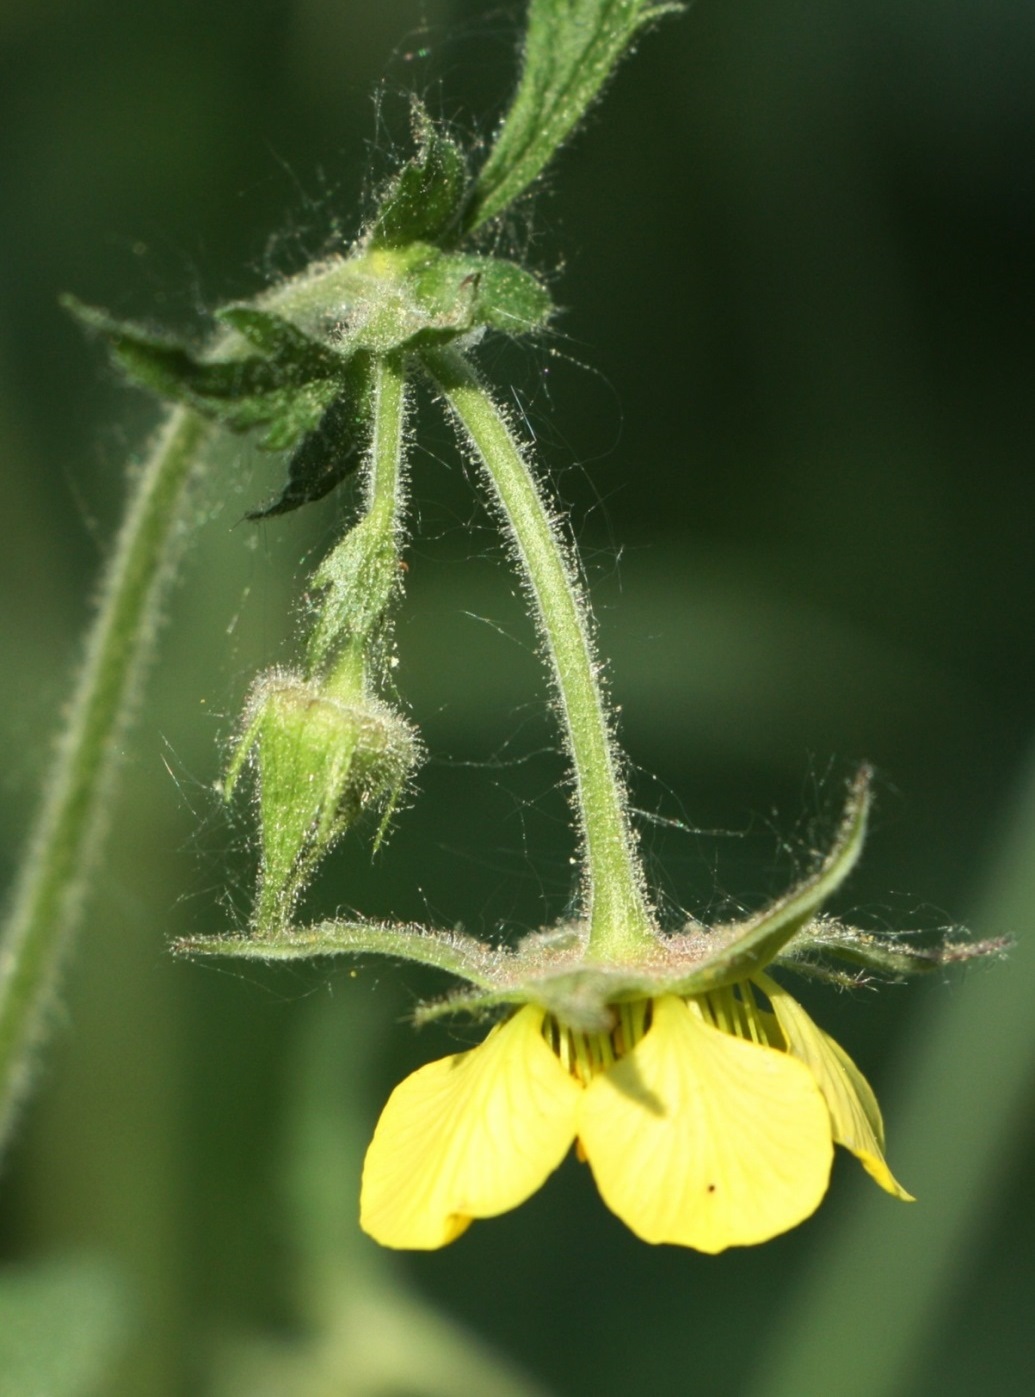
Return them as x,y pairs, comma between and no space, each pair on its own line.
614,900
384,490
47,898
352,604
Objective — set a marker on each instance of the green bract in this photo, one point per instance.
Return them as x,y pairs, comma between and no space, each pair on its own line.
424,201
284,389
357,582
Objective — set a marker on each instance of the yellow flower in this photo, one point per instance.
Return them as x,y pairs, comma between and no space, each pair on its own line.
707,1121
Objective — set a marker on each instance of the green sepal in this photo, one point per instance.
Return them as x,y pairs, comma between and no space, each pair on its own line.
424,199
748,946
555,970
450,951
571,48
894,956
278,339
321,461
303,395
419,296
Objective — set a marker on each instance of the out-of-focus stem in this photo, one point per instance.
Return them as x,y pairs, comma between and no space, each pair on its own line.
46,899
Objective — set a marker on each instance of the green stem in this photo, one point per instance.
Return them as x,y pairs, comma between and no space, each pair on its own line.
385,499
613,893
47,899
384,480
358,607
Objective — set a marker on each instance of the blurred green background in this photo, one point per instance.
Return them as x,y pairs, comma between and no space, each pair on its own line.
789,404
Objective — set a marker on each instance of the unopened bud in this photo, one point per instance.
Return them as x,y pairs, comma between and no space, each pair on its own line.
321,763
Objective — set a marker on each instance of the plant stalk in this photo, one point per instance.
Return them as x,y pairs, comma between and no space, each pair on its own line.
385,498
47,899
384,479
614,900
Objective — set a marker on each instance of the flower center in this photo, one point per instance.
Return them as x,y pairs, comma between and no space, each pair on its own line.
586,1054
733,1009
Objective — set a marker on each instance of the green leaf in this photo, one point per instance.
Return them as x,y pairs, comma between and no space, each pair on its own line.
426,196
890,956
571,48
332,450
303,394
279,339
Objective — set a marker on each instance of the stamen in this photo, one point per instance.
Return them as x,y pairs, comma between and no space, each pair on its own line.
734,1010
584,1055
772,1035
724,1010
582,1049
746,1027
753,1015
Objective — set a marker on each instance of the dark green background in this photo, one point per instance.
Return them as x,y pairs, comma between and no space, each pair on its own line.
789,403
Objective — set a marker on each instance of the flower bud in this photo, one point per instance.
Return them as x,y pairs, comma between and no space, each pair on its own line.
321,761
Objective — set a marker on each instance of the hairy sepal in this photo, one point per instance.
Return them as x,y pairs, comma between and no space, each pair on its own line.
425,198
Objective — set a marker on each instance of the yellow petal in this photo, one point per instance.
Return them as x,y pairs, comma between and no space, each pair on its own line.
703,1139
853,1108
469,1136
